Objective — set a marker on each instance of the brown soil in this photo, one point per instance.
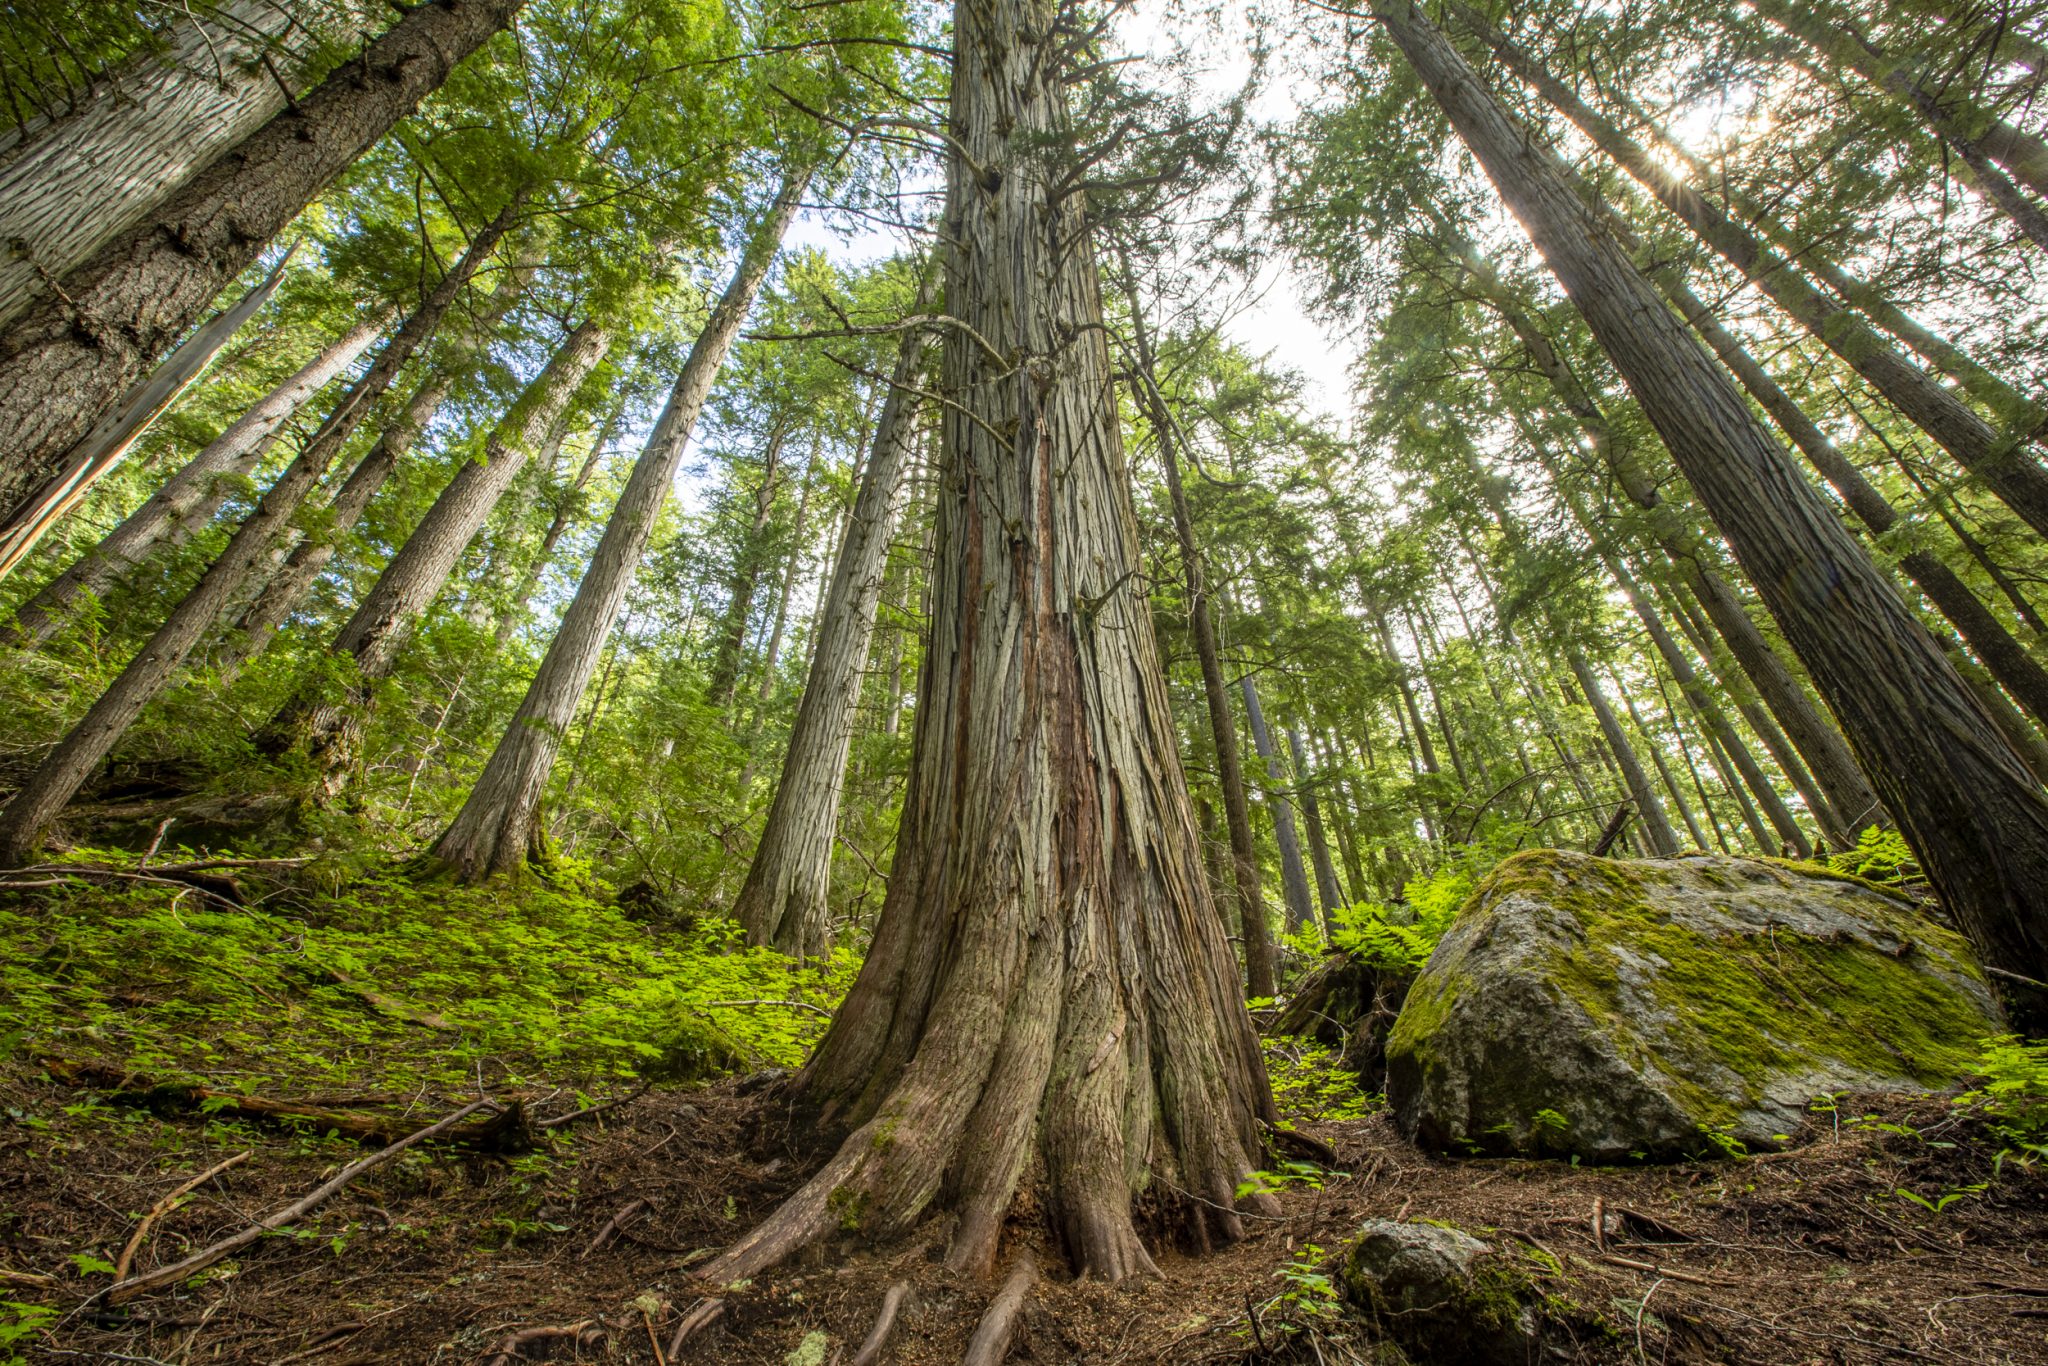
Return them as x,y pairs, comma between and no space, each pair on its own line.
1805,1256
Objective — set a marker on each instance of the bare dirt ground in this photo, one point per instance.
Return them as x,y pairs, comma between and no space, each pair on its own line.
1811,1255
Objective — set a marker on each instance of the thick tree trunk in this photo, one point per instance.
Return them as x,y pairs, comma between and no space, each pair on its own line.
1312,815
2008,660
1999,458
1968,806
1049,989
1293,876
1254,932
331,730
73,354
57,779
97,172
499,825
783,901
189,499
284,590
102,447
1650,817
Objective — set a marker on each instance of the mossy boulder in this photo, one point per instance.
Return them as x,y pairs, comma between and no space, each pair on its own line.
1442,1294
1612,1010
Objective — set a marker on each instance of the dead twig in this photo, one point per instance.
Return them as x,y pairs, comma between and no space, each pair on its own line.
163,1207
587,1111
615,1225
1653,1269
581,1334
764,1001
207,1256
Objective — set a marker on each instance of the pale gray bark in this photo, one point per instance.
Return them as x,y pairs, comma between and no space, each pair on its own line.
1650,817
82,179
1293,876
1671,786
1312,816
783,901
499,825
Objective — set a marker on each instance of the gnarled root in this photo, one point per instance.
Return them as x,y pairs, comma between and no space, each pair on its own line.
991,1340
512,1349
702,1315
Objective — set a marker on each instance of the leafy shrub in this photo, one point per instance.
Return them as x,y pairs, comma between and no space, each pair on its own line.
2012,1096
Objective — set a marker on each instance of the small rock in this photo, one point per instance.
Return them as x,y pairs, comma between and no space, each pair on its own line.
1443,1295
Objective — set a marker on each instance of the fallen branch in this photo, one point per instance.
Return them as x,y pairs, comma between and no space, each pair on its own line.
991,1340
235,1242
587,1111
503,1131
763,1001
580,1334
877,1341
1653,1269
702,1315
220,890
163,1207
615,1225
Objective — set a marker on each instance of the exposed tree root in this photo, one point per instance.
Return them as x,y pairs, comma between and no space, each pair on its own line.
584,1334
991,1340
503,1130
615,1225
701,1315
877,1340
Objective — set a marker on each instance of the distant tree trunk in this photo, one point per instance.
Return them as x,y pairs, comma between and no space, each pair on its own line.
1998,458
1312,814
568,502
27,818
282,592
1692,767
1345,822
1293,876
1255,933
498,827
189,499
1650,817
81,179
2007,659
331,730
783,901
722,685
1049,994
1671,787
102,447
1977,819
72,355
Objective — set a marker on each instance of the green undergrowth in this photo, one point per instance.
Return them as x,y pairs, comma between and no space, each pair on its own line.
382,985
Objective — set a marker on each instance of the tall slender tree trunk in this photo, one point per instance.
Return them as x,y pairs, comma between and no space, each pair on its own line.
1650,816
783,901
86,177
1968,806
1049,990
1312,815
102,447
282,592
74,353
331,729
568,502
499,826
189,499
1671,787
27,818
2001,459
1255,933
722,685
1293,876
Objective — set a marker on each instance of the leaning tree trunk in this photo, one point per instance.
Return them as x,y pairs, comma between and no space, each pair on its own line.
97,172
371,639
57,779
499,826
1967,804
1256,935
297,569
1049,989
1312,816
722,684
102,447
189,499
1293,875
783,901
1650,815
1998,458
77,350
568,504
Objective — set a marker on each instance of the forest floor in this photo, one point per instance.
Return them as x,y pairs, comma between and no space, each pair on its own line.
1832,1251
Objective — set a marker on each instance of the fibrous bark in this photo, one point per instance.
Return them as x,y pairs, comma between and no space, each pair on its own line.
28,816
1967,804
783,901
1049,988
499,825
73,354
189,499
